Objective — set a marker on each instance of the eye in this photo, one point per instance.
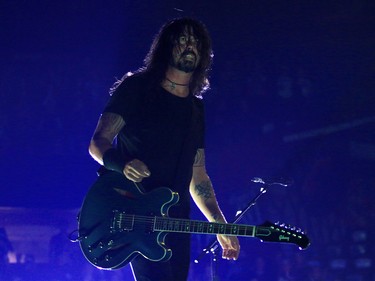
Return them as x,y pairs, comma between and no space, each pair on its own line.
193,40
185,39
182,40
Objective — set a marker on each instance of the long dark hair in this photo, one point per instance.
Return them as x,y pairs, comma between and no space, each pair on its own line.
158,58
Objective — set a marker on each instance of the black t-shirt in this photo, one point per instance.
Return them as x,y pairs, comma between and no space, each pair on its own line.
162,130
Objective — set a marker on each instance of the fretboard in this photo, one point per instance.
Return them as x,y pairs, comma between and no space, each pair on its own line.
202,227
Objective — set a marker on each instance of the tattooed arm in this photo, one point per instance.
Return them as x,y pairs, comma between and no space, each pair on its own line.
109,125
202,191
203,194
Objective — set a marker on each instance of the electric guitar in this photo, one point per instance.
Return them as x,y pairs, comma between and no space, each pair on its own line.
118,221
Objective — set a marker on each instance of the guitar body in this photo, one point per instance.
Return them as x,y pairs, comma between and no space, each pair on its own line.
107,240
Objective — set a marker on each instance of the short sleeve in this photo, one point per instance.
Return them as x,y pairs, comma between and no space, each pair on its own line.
126,98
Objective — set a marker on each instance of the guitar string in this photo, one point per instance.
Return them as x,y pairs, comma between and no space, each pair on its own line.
217,227
158,219
131,218
191,224
161,219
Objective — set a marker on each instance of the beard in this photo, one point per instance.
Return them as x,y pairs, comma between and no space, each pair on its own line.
184,64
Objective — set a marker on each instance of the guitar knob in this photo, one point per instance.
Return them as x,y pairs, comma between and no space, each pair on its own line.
107,257
100,245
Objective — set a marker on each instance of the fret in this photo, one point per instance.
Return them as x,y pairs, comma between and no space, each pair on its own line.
187,226
221,228
176,225
233,229
210,228
242,230
170,225
165,223
200,227
192,226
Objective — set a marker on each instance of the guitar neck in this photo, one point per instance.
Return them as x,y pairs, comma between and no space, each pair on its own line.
201,227
265,232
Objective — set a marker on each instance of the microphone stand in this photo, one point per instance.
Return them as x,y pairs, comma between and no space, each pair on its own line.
213,246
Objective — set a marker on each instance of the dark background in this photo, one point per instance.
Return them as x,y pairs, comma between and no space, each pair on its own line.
292,95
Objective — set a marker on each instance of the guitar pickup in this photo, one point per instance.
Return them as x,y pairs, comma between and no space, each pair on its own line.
121,221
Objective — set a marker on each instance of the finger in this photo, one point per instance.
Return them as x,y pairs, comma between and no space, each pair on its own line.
133,170
132,178
144,172
227,255
141,171
233,254
230,254
131,175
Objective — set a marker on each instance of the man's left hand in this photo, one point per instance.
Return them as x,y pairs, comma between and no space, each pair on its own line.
230,246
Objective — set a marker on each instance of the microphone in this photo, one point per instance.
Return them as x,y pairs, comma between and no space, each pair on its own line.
279,181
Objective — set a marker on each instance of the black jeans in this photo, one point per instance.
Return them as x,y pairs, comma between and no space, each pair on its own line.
176,269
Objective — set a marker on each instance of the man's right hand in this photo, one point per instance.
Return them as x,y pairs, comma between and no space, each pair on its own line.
136,170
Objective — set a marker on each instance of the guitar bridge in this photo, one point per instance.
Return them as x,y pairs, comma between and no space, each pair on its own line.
121,221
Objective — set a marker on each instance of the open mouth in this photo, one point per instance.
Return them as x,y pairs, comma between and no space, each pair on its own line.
189,56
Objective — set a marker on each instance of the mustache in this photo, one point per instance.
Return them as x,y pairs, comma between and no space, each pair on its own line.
185,53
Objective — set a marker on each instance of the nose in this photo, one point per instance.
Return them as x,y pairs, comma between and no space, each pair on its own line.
190,43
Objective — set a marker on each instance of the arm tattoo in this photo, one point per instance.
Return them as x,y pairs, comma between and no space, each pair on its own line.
204,189
109,126
199,158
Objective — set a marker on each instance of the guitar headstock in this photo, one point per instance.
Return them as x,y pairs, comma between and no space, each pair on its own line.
282,233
